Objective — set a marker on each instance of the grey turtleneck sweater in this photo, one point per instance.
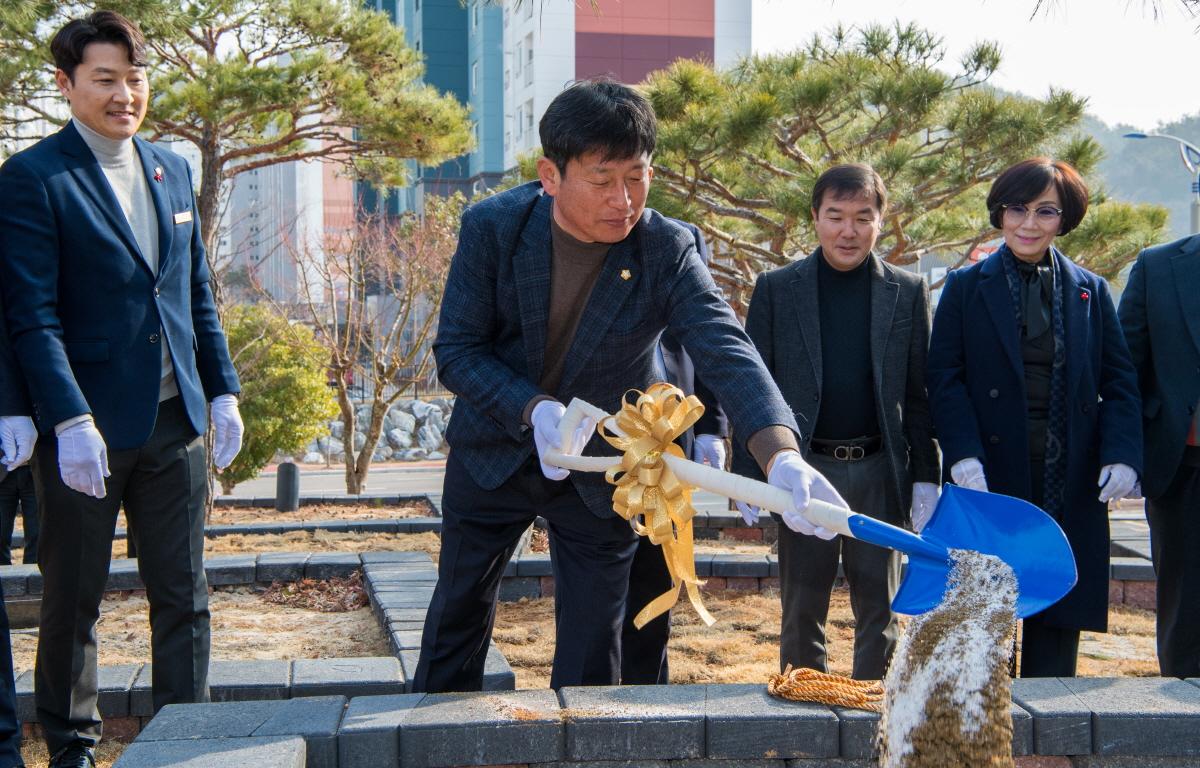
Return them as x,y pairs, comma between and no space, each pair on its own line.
122,167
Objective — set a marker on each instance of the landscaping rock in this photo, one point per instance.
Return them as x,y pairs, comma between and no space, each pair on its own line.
429,438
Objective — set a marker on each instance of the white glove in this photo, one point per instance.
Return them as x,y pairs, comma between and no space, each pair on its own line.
710,450
924,500
17,438
968,473
790,472
83,458
1116,481
1136,493
227,430
749,512
545,418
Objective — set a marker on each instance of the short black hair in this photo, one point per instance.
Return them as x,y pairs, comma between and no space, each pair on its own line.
850,180
597,115
100,27
1021,184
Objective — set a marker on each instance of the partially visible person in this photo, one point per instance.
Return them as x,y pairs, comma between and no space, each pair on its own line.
644,651
1160,312
1034,392
17,497
110,314
844,334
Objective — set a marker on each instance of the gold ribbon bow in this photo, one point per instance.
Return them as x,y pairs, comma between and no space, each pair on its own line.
649,495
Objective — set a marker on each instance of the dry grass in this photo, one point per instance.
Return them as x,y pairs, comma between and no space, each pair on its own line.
34,753
743,646
313,512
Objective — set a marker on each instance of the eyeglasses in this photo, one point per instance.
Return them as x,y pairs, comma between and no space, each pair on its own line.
1043,214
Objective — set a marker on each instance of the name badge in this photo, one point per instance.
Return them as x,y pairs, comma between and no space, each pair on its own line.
183,217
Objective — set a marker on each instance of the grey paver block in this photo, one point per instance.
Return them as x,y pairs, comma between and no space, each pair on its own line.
497,674
1141,716
325,565
857,732
407,639
744,721
317,720
15,579
704,564
141,697
636,722
517,587
264,752
740,565
371,558
1022,738
772,565
249,679
404,615
26,707
228,720
281,566
405,574
371,676
455,729
113,683
535,564
123,574
1062,724
369,736
231,569
424,524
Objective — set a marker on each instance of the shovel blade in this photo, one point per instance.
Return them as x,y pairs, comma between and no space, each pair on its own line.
1017,532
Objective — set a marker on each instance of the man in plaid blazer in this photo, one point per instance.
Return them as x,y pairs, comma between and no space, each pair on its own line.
561,288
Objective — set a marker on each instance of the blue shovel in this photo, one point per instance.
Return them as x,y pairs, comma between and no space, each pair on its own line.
1017,532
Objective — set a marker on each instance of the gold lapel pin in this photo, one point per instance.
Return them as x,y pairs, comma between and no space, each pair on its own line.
626,274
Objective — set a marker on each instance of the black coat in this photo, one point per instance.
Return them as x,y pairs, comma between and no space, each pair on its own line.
977,388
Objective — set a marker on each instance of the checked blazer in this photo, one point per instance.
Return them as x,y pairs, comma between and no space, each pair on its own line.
491,337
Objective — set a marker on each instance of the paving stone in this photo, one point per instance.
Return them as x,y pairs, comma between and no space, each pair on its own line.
231,569
1022,724
1141,716
371,676
404,575
458,729
264,752
317,720
772,566
408,639
535,564
387,525
704,564
227,720
743,721
620,764
113,683
514,588
857,729
636,722
404,615
402,596
1141,761
369,736
122,575
281,566
740,565
1062,723
424,524
14,579
26,707
408,662
1131,569
371,558
249,679
326,565
497,674
141,698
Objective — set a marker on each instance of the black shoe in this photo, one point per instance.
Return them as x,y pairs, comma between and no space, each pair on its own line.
77,755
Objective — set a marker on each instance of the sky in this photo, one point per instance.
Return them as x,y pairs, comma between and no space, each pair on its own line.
1134,69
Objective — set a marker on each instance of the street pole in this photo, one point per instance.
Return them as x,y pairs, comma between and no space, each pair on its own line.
1189,153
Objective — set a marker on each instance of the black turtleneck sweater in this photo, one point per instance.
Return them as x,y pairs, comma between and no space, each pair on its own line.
847,383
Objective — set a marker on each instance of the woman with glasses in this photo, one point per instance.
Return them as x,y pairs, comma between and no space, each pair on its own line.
1033,393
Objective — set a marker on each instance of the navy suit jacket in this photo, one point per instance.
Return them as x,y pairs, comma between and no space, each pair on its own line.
1160,312
84,310
491,338
14,401
976,380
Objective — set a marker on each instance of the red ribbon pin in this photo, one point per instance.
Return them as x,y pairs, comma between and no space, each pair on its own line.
1083,295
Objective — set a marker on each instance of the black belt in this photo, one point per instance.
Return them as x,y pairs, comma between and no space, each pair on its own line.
855,449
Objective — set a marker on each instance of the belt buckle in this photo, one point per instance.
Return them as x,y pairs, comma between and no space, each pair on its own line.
849,452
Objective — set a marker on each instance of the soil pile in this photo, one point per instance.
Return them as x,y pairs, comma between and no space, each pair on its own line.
948,694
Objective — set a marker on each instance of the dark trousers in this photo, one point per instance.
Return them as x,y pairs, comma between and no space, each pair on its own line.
808,570
10,728
1174,521
1048,651
17,496
590,558
644,651
162,487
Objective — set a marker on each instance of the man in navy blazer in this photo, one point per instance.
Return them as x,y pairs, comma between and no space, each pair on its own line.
561,288
107,298
1160,313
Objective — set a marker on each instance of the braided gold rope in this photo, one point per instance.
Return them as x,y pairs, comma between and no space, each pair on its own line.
806,684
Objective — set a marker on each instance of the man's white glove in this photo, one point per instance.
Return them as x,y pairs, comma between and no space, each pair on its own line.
227,430
83,458
545,418
17,438
790,472
710,450
968,473
1116,481
924,500
749,512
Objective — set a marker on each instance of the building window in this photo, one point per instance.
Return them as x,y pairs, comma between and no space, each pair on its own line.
529,59
519,127
507,77
529,9
475,77
507,139
529,115
418,46
518,58
416,5
475,14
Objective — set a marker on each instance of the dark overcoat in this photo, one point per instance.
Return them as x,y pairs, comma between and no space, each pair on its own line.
976,385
